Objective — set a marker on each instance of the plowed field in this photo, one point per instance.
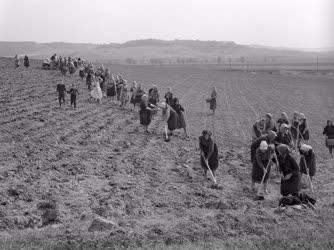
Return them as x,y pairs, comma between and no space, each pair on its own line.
97,161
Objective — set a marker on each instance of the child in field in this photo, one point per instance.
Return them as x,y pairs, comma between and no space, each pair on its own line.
73,92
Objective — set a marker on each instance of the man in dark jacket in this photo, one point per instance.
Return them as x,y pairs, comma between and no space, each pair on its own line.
61,89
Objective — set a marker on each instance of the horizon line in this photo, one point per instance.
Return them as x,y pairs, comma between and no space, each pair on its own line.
317,49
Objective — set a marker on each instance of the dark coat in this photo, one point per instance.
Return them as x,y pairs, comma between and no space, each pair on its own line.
256,143
294,129
310,162
329,132
61,89
145,114
289,165
261,161
136,98
281,121
26,62
169,98
181,123
210,151
284,138
303,131
172,120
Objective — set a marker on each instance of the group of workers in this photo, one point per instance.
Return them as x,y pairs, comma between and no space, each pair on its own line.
273,142
282,143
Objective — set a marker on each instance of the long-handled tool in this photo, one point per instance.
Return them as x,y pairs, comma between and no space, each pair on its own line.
308,175
259,195
207,165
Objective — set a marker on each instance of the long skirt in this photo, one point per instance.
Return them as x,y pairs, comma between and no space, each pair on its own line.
136,99
145,117
213,104
213,160
124,97
329,143
257,172
111,91
294,132
290,186
172,121
153,101
96,93
311,167
181,123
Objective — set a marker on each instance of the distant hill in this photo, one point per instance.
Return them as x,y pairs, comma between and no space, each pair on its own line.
153,50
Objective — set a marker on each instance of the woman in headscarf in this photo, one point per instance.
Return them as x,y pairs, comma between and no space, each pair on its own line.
329,133
119,85
284,119
290,181
145,113
26,62
137,95
257,129
213,100
170,116
307,156
181,122
133,91
269,123
284,136
111,88
263,155
89,80
125,94
169,96
96,92
82,73
303,129
294,127
209,153
270,138
153,95
71,67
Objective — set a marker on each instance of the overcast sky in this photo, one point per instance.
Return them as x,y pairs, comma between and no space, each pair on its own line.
284,23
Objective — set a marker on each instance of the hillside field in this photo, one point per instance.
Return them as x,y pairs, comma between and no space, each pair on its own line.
96,161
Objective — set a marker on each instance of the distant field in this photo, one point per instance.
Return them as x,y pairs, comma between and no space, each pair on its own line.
96,161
